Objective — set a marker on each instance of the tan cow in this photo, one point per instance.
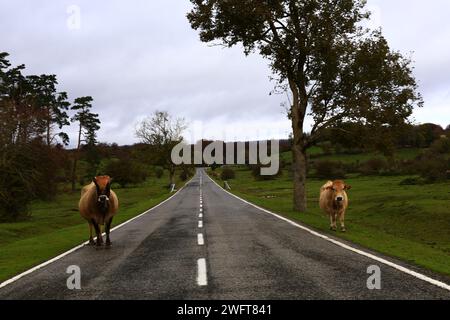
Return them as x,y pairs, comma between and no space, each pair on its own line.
334,201
98,205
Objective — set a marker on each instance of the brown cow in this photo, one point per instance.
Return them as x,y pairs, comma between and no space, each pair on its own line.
334,201
98,205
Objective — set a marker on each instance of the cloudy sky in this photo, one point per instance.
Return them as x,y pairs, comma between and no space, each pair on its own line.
135,57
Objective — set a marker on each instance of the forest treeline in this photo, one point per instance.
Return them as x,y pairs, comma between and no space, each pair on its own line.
36,163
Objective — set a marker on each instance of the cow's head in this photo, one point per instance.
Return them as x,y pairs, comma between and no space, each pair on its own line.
338,188
103,186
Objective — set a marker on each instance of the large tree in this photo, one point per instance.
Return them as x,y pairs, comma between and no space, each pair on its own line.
336,70
162,132
88,125
31,107
52,107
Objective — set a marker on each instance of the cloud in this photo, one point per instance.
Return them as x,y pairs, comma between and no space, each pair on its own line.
141,56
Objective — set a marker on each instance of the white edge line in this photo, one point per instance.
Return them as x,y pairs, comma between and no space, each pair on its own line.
23,274
345,246
202,279
200,224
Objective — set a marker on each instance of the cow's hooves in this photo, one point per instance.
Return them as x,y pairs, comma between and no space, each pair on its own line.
91,243
333,229
344,230
108,243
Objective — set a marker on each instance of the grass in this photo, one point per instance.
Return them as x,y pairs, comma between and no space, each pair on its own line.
56,226
406,222
317,153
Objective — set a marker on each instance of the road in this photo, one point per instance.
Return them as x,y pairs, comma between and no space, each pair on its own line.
206,244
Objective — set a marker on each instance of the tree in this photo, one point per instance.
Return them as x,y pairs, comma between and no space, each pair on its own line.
162,132
88,125
29,108
334,69
52,107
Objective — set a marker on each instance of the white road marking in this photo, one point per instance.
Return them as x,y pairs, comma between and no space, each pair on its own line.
202,278
201,209
200,239
200,224
200,215
345,246
23,274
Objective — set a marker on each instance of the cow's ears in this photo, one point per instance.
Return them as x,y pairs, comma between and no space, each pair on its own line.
347,187
329,188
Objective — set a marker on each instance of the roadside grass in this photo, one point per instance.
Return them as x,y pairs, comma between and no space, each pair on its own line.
55,227
406,222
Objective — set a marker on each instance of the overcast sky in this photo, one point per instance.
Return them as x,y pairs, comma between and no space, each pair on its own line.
135,57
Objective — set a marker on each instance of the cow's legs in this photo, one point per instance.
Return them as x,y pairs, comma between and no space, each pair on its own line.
98,232
107,230
91,238
333,221
342,221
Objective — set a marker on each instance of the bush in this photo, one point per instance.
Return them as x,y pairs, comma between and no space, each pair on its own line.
227,174
18,181
215,166
327,169
185,173
125,172
433,168
412,182
441,146
374,166
159,172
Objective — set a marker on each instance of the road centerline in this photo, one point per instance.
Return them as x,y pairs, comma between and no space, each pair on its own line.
202,278
200,239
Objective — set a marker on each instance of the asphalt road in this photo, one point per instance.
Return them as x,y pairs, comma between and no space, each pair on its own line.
206,244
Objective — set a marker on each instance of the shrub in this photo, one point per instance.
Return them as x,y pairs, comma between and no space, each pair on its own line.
433,168
412,182
125,172
159,172
185,173
374,166
327,169
441,146
227,174
18,182
215,166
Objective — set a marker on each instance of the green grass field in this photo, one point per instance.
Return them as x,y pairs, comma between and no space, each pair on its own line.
406,154
407,222
56,226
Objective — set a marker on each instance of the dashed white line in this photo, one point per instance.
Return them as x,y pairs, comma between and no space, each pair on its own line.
202,278
200,239
200,224
200,215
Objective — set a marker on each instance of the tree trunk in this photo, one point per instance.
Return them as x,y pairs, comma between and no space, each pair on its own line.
172,175
298,113
299,172
75,160
74,173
